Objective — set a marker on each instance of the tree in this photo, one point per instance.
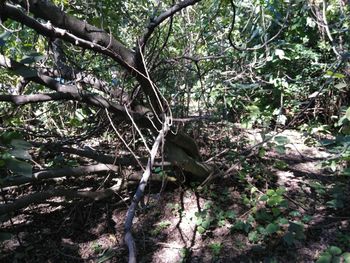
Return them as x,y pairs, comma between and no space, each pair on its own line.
57,33
73,71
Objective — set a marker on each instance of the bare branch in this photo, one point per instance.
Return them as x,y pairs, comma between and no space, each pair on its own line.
35,98
71,90
263,44
140,192
98,157
70,29
42,196
159,19
61,172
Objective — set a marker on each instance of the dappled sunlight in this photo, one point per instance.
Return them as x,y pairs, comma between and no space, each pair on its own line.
174,131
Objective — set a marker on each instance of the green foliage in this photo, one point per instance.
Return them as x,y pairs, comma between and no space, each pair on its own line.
283,69
14,154
216,248
184,253
160,227
212,215
333,254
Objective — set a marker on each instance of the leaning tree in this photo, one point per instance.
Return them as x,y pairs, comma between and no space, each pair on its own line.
76,65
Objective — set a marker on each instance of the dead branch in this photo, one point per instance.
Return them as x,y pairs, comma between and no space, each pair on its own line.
129,240
42,196
35,98
61,172
69,28
155,22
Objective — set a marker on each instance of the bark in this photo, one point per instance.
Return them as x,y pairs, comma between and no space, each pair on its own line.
76,172
60,172
81,29
42,196
140,192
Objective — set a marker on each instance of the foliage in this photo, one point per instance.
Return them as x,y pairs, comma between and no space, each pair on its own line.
333,254
264,64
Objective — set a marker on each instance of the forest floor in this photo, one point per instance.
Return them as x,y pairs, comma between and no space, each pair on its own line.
277,203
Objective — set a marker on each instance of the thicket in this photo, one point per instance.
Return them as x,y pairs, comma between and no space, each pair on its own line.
92,87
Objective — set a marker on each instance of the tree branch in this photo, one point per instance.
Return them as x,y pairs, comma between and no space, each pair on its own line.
140,192
70,29
159,19
60,172
71,90
42,196
35,98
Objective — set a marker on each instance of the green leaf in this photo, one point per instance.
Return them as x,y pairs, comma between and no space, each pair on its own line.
5,35
334,250
276,211
347,114
334,75
283,221
270,192
288,238
274,200
264,198
346,172
7,137
282,140
280,190
231,214
199,221
22,144
281,149
106,256
206,224
21,154
201,229
157,170
341,86
325,258
298,229
262,152
294,213
31,58
253,236
346,257
19,167
272,228
25,72
306,218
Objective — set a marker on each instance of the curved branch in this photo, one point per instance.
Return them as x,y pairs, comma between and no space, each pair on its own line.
139,194
70,29
61,172
35,98
42,196
159,19
163,45
71,91
263,44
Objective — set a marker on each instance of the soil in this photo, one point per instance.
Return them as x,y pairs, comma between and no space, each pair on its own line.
167,229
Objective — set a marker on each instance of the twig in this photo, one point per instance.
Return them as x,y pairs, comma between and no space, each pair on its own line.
122,139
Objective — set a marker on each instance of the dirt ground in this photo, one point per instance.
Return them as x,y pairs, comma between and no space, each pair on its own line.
185,223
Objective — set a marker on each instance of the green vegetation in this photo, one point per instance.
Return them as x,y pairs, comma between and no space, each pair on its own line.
232,117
